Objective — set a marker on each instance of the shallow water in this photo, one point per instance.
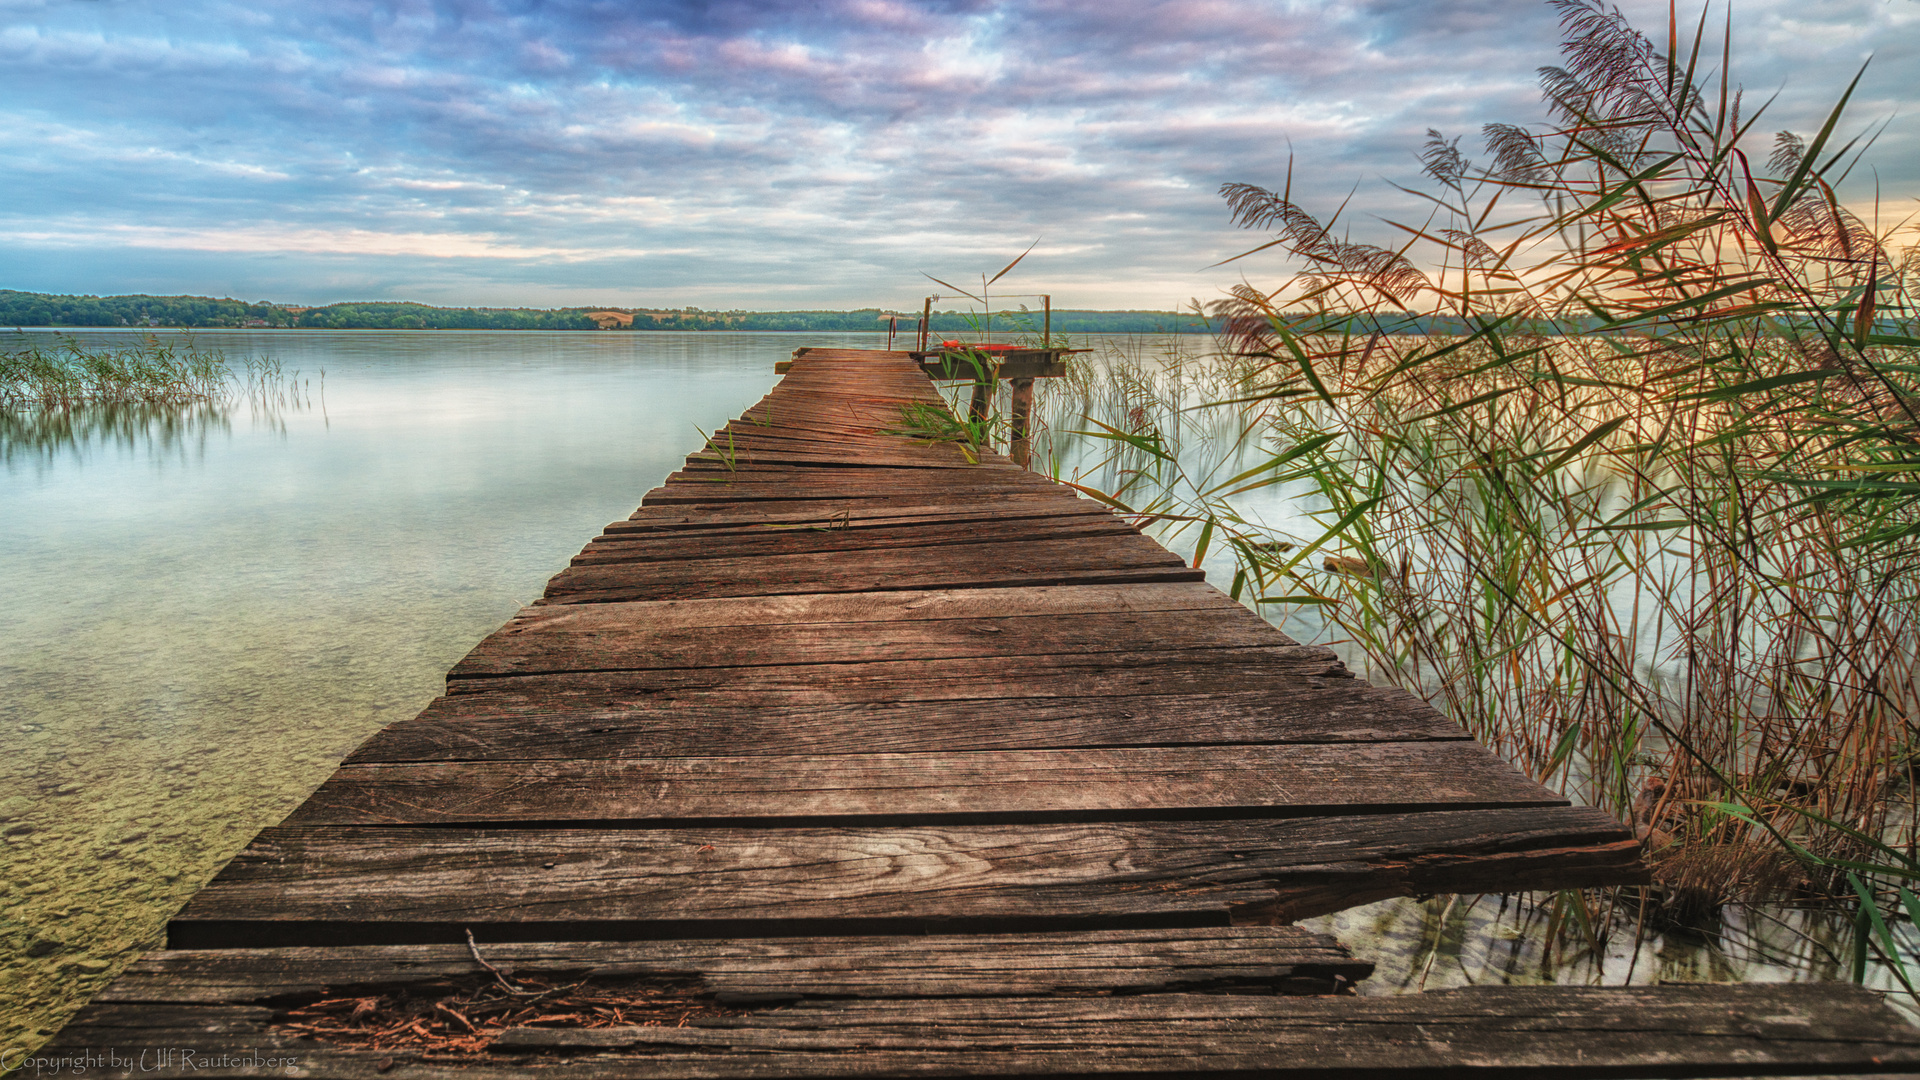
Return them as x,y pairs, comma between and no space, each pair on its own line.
210,607
1144,385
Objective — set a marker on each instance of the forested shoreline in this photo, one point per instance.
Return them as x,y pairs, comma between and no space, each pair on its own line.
200,312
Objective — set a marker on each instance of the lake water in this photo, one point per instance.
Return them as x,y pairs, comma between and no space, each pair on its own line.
210,607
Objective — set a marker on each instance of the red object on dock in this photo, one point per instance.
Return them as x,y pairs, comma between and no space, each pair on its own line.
980,347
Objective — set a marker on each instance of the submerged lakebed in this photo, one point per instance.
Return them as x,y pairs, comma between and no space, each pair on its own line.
212,605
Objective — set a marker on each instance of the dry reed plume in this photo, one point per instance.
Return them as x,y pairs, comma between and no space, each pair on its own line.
1632,497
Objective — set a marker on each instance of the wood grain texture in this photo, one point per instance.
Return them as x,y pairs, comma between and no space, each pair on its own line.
727,458
1545,1030
1573,1032
1080,561
1247,959
844,513
967,773
510,725
537,642
881,441
888,606
1276,670
1003,785
817,437
713,486
332,885
871,536
992,474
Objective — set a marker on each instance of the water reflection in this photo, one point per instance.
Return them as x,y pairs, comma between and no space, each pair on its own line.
38,437
212,603
190,650
1449,941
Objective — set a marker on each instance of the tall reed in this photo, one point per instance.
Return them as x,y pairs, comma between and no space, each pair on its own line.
153,371
1631,496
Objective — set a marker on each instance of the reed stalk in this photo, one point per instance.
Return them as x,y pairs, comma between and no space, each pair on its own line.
151,372
1622,479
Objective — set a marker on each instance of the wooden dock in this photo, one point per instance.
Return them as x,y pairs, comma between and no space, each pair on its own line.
846,755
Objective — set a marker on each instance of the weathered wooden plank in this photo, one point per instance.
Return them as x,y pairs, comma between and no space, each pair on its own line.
857,373
784,645
920,487
1561,1031
1002,785
388,885
840,451
684,580
825,423
749,437
1081,561
840,391
796,405
993,473
877,405
860,371
889,606
853,446
1276,670
822,422
814,482
793,420
506,725
721,487
1571,1031
844,749
767,470
666,522
772,423
866,482
1247,959
857,386
532,644
835,375
870,536
727,461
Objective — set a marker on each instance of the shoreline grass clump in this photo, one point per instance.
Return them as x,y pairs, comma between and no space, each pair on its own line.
155,371
1621,474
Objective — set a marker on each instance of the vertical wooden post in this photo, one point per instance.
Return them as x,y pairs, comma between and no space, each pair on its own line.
977,408
926,312
1022,420
1046,321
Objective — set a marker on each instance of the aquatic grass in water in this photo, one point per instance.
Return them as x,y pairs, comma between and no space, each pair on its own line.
211,604
1729,903
154,371
1632,501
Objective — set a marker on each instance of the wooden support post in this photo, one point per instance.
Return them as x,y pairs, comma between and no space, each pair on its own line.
977,409
1046,321
926,312
1022,420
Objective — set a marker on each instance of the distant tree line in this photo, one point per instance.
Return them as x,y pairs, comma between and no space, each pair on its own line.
41,309
386,316
202,312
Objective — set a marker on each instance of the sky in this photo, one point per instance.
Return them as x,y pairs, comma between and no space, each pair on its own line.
767,156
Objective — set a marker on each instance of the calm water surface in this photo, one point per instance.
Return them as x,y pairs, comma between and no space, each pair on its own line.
210,607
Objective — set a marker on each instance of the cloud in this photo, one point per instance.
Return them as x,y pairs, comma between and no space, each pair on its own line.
767,154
